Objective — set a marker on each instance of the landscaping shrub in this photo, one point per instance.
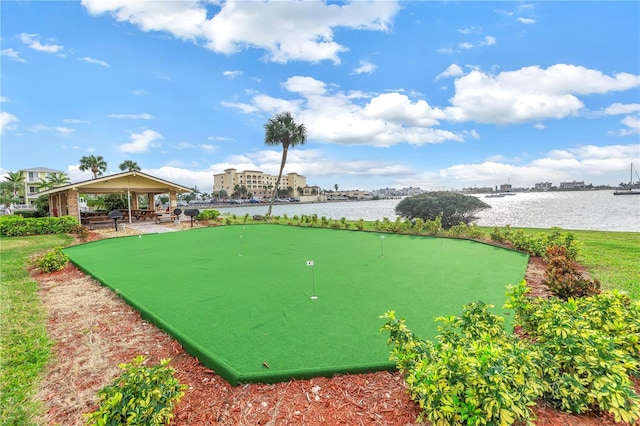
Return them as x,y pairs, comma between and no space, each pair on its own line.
142,395
15,225
433,227
51,261
208,215
590,348
476,373
563,277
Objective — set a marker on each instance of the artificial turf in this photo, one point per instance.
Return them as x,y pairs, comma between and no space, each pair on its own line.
240,297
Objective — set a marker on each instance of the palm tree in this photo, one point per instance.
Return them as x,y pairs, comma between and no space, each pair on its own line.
16,182
283,130
58,179
97,165
194,192
129,166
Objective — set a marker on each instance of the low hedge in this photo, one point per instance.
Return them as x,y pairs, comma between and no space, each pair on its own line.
18,226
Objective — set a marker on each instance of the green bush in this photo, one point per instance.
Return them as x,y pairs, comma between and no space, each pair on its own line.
208,215
433,226
590,346
142,395
18,226
51,261
563,277
451,207
476,373
359,224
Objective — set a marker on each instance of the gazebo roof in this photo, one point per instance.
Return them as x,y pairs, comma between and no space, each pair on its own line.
133,181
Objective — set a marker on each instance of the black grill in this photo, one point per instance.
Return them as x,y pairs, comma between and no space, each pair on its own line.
115,215
192,213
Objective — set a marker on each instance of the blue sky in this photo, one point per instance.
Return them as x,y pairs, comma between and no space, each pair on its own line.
428,94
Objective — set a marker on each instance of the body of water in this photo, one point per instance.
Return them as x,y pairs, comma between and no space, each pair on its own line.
588,210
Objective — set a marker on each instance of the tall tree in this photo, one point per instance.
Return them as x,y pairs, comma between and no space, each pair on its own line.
96,164
129,166
281,129
336,187
16,182
58,179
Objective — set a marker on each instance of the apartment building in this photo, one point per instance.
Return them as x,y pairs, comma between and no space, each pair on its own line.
259,184
32,178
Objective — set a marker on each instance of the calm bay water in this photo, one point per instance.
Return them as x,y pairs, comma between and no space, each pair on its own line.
588,210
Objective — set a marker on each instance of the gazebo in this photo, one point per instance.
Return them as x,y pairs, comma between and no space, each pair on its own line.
65,200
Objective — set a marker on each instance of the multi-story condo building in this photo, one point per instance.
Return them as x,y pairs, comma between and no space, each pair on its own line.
32,179
259,184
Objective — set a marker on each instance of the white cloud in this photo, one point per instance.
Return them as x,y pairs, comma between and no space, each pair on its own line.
75,121
539,126
10,53
5,121
470,30
221,139
3,99
141,116
232,74
142,142
93,61
285,30
488,41
530,93
60,130
140,92
618,108
365,67
32,41
453,70
466,45
355,118
633,126
526,21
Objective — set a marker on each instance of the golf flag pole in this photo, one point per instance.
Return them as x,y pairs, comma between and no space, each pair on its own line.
313,280
381,245
240,244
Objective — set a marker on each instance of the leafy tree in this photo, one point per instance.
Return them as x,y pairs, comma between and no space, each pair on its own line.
336,187
115,202
42,206
453,208
16,182
283,130
129,166
58,179
96,164
300,190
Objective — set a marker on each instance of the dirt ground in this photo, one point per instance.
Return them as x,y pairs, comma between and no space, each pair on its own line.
94,331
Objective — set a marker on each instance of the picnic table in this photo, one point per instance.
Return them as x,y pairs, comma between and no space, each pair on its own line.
143,214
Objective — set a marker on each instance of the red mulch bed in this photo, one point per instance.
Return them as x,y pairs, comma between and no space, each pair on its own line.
94,331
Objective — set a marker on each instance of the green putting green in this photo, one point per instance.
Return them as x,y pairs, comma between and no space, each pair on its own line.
239,298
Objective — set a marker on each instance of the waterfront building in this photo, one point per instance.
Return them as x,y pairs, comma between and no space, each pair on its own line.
32,179
259,184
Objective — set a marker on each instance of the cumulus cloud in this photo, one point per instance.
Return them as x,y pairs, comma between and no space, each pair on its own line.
530,93
33,42
3,99
140,92
619,108
285,30
75,121
232,74
93,61
633,126
142,142
141,116
13,54
355,118
6,121
365,67
453,70
526,21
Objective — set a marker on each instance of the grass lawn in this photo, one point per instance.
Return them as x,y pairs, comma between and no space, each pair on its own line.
240,297
24,343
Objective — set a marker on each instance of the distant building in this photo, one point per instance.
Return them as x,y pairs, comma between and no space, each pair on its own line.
32,179
353,194
543,186
259,184
572,185
505,187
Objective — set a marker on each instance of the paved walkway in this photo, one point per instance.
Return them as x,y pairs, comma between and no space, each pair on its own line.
149,227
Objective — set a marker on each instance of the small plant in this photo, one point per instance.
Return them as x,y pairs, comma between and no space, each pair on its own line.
245,219
563,277
476,373
590,347
142,395
52,261
434,226
359,224
82,232
418,225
